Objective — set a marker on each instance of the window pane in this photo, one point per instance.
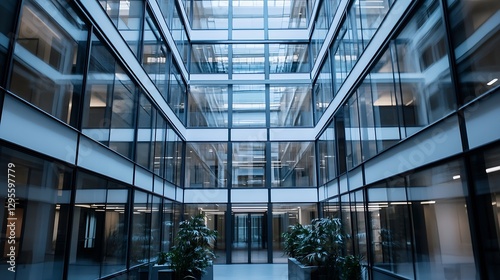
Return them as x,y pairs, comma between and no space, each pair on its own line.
209,59
486,170
442,233
248,14
208,106
291,106
210,14
206,165
293,164
248,58
249,165
289,58
41,215
249,105
475,39
323,89
154,54
327,155
127,16
287,14
141,229
177,94
145,134
49,58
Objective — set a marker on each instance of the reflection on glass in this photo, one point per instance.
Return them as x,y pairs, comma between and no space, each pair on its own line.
287,14
249,105
141,229
486,172
327,155
293,164
320,31
154,53
208,106
173,158
215,219
289,58
127,16
248,14
284,216
49,58
391,228
177,93
145,133
109,105
322,88
206,165
352,132
178,31
248,58
209,59
249,162
476,37
442,234
42,191
291,106
210,14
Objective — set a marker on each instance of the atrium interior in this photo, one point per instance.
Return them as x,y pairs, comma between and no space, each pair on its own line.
121,118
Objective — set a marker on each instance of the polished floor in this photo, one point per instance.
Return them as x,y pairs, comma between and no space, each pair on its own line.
250,271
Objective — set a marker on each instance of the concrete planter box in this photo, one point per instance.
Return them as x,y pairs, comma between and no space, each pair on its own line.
297,271
165,272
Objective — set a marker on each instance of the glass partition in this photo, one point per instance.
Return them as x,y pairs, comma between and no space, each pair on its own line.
208,106
249,164
289,14
210,14
249,105
206,165
290,106
293,164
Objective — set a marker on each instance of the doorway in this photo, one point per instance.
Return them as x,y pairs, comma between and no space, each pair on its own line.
249,238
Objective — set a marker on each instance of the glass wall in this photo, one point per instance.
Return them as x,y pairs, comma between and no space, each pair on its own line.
248,58
290,106
208,106
49,58
35,197
110,100
475,36
7,19
293,164
206,165
209,59
327,155
210,14
127,16
249,164
177,93
284,216
289,58
173,157
322,88
249,105
178,31
248,14
289,14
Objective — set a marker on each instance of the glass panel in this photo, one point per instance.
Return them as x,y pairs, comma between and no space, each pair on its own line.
327,155
248,58
159,145
371,14
167,8
249,105
323,89
141,229
320,31
215,219
248,14
384,103
210,14
284,216
87,247
206,165
332,208
209,59
109,105
289,58
291,106
249,162
7,17
177,93
33,190
155,228
240,242
486,170
366,119
179,34
287,14
346,219
421,52
359,222
145,133
154,54
442,233
173,157
293,164
168,223
208,106
127,16
389,214
475,39
49,58
351,123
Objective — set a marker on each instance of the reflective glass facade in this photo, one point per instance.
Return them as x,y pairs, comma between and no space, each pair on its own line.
121,118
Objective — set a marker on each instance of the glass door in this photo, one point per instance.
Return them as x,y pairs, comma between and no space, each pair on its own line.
249,238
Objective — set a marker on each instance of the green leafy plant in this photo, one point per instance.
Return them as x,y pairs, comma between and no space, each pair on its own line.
322,244
193,249
162,258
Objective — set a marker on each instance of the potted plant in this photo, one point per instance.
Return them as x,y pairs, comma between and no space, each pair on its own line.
192,252
316,251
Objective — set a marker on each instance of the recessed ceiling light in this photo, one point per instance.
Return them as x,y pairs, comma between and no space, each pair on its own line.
492,81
